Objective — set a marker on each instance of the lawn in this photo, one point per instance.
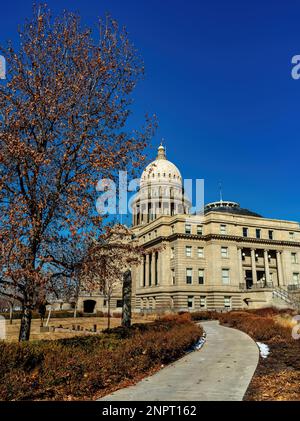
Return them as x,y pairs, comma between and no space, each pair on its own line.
12,330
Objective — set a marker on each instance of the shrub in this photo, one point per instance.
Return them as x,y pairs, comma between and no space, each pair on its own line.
258,327
83,366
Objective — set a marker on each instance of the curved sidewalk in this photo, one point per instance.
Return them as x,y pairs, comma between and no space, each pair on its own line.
221,370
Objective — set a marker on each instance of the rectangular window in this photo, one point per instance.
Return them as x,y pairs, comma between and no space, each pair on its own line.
258,232
295,278
189,275
200,252
201,276
223,229
270,235
224,251
294,257
199,229
245,232
119,303
225,277
172,252
202,301
188,228
292,235
172,229
188,251
227,302
173,277
190,301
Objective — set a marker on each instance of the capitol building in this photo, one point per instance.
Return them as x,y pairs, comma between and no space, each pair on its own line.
226,258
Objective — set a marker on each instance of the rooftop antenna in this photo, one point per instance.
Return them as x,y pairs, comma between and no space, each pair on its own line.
220,190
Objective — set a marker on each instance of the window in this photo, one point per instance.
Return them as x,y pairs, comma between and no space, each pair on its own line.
224,251
172,229
223,229
225,277
295,278
188,228
200,252
245,232
189,275
201,276
270,235
258,232
173,276
199,229
227,302
190,301
202,301
172,252
292,235
104,303
294,257
188,251
119,303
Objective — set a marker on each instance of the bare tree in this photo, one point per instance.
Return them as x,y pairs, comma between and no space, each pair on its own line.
108,259
63,110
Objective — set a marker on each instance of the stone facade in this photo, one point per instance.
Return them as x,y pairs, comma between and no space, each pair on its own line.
218,263
226,258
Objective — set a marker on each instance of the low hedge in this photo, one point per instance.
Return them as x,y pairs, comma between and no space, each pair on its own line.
60,314
83,367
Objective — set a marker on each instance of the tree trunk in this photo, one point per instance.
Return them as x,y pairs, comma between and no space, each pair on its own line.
10,313
25,324
75,311
108,312
127,292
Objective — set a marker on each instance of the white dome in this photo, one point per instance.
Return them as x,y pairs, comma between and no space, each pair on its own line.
161,171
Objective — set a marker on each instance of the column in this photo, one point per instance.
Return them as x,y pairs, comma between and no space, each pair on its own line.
253,264
141,267
147,270
153,269
279,268
158,267
240,263
150,271
267,267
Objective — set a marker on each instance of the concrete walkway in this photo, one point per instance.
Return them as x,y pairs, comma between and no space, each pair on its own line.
221,370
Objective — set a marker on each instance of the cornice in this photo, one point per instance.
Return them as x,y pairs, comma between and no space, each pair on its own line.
242,241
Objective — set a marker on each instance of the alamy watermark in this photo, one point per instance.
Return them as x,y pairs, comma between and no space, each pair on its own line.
2,328
168,195
296,328
296,69
2,67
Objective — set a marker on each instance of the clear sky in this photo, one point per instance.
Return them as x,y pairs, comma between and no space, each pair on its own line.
218,76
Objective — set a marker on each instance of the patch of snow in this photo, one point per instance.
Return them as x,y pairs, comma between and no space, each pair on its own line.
199,344
263,349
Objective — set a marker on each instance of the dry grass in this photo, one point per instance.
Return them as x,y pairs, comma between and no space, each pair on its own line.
12,331
95,365
277,377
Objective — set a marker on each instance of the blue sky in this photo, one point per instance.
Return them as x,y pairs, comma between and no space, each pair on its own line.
218,76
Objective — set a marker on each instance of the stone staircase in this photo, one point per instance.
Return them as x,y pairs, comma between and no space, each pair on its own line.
287,297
